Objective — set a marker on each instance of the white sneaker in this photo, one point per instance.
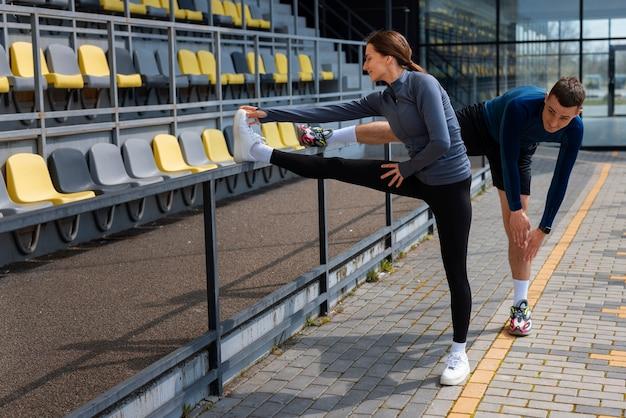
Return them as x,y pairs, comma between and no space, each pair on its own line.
457,369
245,137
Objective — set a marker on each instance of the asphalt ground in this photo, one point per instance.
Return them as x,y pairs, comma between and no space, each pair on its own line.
78,322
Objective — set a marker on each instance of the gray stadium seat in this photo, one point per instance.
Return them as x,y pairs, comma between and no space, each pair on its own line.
107,167
193,149
8,207
182,81
146,63
139,160
70,173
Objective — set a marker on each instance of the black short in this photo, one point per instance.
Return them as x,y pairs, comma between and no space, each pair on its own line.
479,141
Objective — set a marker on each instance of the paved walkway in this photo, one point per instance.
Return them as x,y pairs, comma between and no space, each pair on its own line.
382,352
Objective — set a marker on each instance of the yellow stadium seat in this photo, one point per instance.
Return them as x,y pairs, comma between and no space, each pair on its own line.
288,135
206,60
64,73
28,181
118,7
306,70
93,63
231,10
4,85
188,62
215,147
272,135
251,22
22,64
182,13
169,157
281,64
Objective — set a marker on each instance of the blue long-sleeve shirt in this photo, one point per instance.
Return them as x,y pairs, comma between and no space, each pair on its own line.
420,115
514,120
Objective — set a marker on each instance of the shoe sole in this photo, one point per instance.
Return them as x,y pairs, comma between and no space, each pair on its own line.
518,334
455,382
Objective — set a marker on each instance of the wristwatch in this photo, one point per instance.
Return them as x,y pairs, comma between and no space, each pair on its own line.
545,229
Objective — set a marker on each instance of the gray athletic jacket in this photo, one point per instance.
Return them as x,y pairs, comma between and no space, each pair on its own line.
420,114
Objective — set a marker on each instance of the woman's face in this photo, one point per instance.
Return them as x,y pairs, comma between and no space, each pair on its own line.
376,64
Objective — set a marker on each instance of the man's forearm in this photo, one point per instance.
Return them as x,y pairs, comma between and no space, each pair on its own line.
375,133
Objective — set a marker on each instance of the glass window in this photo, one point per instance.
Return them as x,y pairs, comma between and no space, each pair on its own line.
451,21
538,64
532,20
604,18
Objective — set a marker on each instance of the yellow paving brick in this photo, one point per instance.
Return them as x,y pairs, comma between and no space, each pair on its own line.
456,415
501,343
615,277
618,353
488,364
474,390
496,353
465,405
481,376
599,356
617,363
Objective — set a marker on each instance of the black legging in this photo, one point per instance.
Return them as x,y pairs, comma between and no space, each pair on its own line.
450,204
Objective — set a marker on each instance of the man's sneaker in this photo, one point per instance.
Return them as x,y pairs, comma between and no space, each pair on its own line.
245,137
520,323
457,369
313,136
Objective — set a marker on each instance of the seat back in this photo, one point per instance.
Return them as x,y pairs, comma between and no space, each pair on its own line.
28,179
192,148
146,62
22,64
69,170
272,135
138,159
268,62
92,61
167,153
288,134
188,62
231,10
62,60
5,68
162,57
152,3
305,63
252,67
107,167
217,8
215,146
281,63
240,62
208,66
124,62
230,138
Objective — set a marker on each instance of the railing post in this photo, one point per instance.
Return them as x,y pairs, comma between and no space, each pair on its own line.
113,91
212,284
39,100
388,209
323,236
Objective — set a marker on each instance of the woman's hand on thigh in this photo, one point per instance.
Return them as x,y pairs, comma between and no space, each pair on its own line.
394,173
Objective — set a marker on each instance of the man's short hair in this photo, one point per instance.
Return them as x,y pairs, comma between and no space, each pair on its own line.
569,91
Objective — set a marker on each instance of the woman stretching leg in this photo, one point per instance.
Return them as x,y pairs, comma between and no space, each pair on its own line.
419,112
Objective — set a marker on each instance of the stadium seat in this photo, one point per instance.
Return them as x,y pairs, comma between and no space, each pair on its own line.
193,150
231,10
234,79
270,68
61,4
28,181
182,81
64,72
107,167
23,67
208,67
306,69
288,135
215,147
70,173
154,9
139,160
241,67
127,75
151,77
267,78
252,22
189,66
8,207
117,6
194,14
183,14
169,157
272,135
217,9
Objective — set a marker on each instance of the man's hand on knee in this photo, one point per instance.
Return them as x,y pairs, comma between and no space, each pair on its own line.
519,225
535,240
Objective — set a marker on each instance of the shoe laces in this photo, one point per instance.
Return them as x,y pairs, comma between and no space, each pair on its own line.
313,135
455,359
520,310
